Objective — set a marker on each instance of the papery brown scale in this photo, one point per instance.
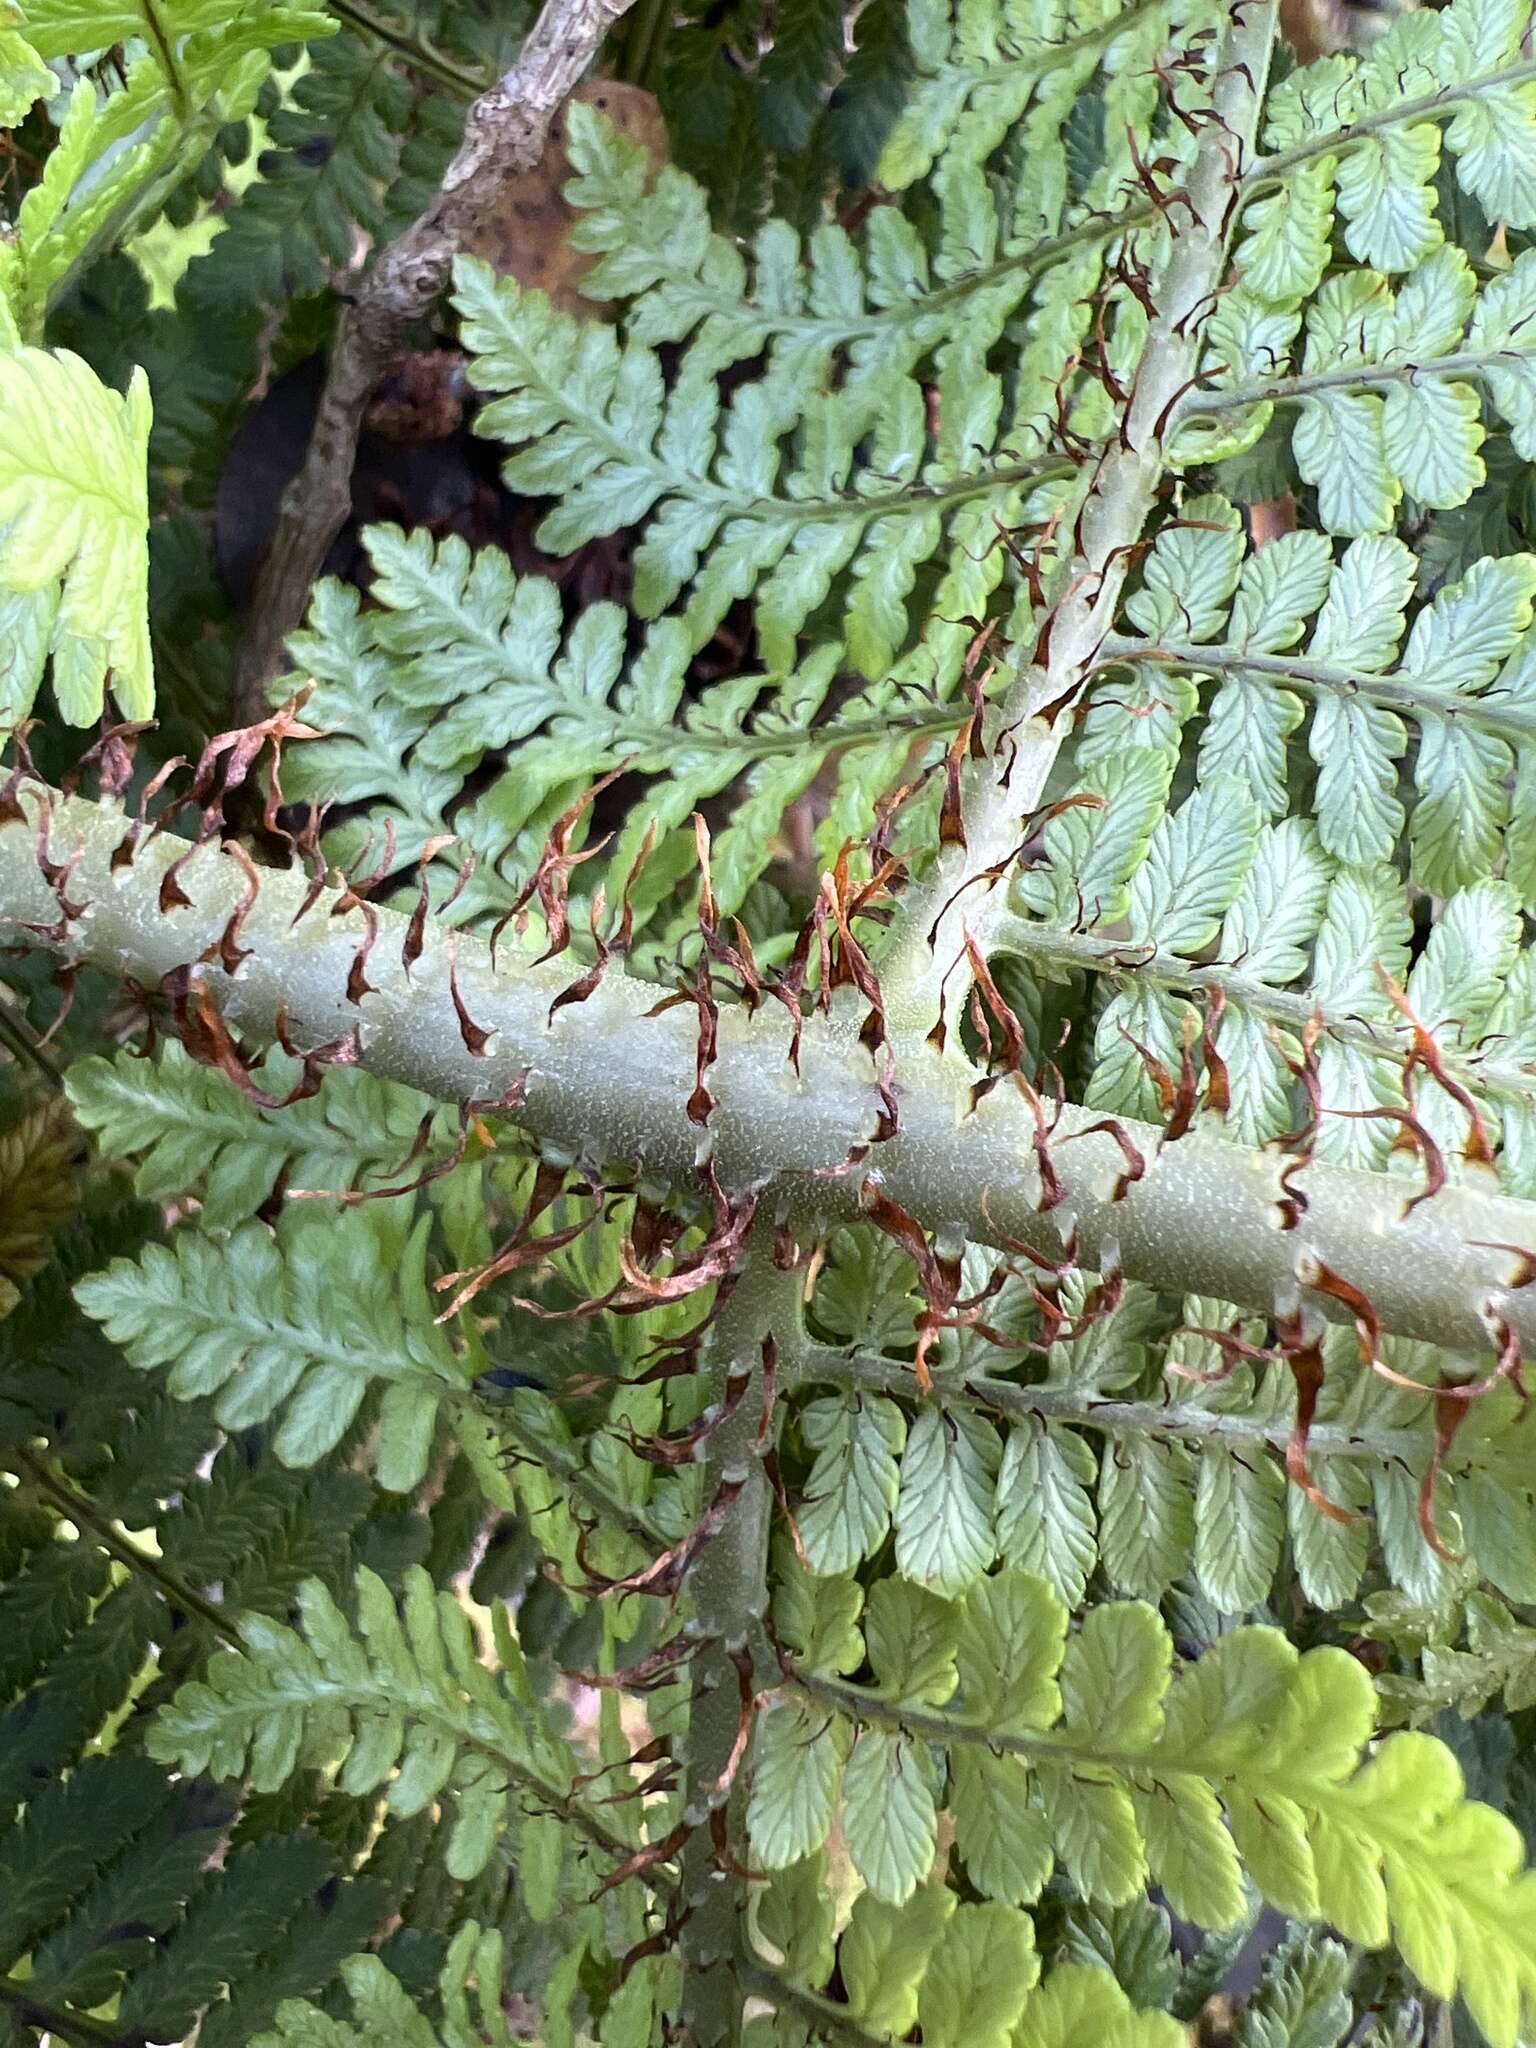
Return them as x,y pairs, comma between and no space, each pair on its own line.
1218,1082
415,930
1449,1414
1312,1273
1478,1150
1013,1032
1235,1351
1135,1159
11,812
664,1575
775,1477
1303,1355
643,1860
207,1039
307,847
656,1668
515,1256
769,1381
951,820
113,752
227,949
682,1447
475,1038
394,1187
551,878
1052,1192
1412,1137
57,876
718,1789
358,984
1523,1255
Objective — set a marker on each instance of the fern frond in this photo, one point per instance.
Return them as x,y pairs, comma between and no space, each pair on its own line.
198,65
728,526
68,1701
459,659
790,525
191,1129
470,2004
1083,1752
404,1700
1142,1453
335,153
294,1323
1398,373
1364,131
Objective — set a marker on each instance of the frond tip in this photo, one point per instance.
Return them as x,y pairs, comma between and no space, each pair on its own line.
1090,1752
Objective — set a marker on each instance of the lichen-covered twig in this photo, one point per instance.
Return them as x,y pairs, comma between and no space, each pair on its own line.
504,135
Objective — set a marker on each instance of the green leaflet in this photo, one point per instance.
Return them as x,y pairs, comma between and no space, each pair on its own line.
191,1127
294,1324
24,78
194,66
1381,1843
409,1703
471,2012
75,513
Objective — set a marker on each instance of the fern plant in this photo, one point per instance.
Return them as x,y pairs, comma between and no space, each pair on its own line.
790,1306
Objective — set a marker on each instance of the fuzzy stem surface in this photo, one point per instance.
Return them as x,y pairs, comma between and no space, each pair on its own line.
608,1080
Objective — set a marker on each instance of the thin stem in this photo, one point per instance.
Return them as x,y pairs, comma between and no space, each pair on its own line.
1415,696
830,2021
1478,362
87,1517
686,289
1271,170
1167,1421
866,1707
728,1588
65,2026
1128,960
462,80
24,1042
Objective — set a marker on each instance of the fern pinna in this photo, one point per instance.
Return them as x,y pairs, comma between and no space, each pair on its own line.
788,1302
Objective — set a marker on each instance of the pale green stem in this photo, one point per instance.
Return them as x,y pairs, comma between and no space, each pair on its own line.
1169,1421
608,1081
728,1593
1476,362
1413,696
959,895
1429,106
1128,959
